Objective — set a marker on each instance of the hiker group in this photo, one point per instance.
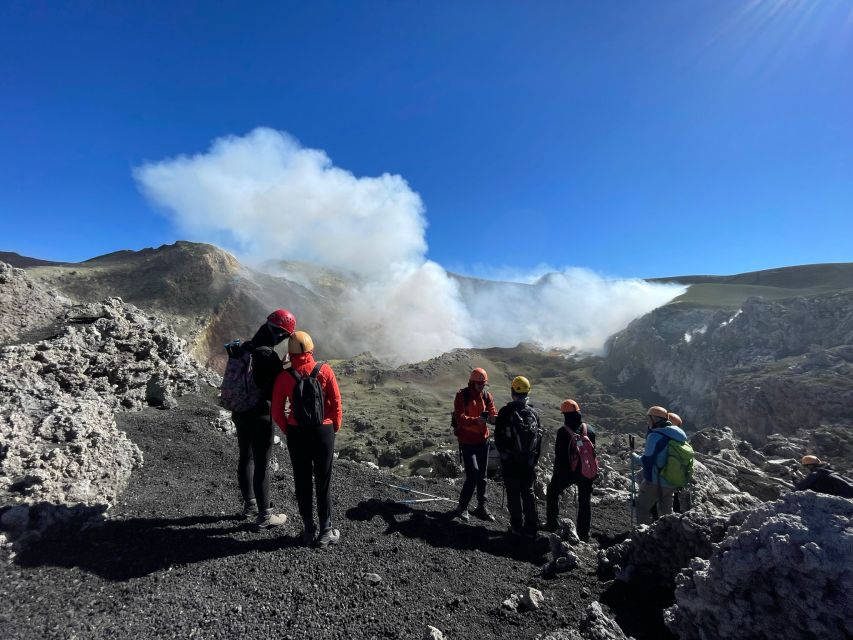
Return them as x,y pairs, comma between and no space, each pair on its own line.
666,463
300,396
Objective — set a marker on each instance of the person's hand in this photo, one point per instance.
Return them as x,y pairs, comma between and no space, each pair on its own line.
481,422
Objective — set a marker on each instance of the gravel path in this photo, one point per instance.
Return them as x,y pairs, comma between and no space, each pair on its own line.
173,561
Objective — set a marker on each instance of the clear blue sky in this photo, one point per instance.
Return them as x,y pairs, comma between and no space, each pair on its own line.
636,138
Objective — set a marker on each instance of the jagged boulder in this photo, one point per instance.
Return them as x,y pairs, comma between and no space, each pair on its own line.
445,464
595,625
25,307
655,554
785,572
60,442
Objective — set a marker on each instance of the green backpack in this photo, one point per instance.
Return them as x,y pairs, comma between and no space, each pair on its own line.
678,470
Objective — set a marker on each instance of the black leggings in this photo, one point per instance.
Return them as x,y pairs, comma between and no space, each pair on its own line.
475,459
255,435
559,483
311,454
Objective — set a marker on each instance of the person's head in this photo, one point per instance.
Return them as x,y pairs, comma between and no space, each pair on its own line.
478,379
810,462
656,417
571,411
281,324
674,418
300,342
520,387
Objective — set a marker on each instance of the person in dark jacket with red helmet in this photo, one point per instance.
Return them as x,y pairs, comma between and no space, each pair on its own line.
255,431
311,446
822,479
473,410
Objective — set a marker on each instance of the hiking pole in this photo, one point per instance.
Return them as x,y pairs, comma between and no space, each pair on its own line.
412,500
633,506
410,490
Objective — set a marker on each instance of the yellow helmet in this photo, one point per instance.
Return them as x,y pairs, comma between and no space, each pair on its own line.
657,412
521,385
807,460
300,342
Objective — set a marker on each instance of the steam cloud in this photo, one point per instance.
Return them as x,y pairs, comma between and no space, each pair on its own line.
278,200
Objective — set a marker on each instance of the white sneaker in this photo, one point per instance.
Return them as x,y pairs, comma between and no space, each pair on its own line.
269,520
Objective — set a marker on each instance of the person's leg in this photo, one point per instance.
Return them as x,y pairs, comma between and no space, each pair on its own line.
262,442
556,486
469,462
664,501
322,455
584,508
528,500
647,497
300,459
482,455
513,501
245,464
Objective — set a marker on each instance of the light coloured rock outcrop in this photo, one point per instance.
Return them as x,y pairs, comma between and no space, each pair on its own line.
595,625
25,307
785,572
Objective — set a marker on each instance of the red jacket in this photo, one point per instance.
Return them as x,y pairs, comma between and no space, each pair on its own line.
468,429
285,383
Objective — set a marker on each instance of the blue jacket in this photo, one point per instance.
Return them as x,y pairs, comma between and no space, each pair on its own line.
651,462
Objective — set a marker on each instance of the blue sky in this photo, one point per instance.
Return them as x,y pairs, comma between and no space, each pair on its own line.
633,138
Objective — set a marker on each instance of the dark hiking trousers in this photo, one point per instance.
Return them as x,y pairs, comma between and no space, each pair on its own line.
559,483
311,454
475,460
255,433
520,500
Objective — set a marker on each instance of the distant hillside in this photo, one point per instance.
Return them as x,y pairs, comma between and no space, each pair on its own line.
770,284
23,262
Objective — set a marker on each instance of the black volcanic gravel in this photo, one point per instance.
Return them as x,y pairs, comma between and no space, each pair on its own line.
172,560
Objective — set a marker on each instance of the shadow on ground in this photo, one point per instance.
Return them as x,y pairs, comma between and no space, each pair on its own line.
439,529
135,547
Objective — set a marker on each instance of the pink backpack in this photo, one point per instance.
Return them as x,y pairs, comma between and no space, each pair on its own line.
582,456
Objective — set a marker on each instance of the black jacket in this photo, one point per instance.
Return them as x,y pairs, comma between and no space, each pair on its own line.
561,448
503,434
824,480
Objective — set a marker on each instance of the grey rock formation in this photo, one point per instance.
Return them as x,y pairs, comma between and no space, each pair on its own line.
768,367
25,307
595,625
655,554
445,464
785,572
60,443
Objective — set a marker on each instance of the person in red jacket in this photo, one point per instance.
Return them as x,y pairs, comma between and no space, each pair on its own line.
473,410
310,437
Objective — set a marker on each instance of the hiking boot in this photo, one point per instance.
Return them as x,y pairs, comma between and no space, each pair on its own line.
530,533
270,520
515,531
328,537
483,514
462,514
250,508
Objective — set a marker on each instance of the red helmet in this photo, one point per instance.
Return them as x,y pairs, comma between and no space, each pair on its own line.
283,319
569,406
478,375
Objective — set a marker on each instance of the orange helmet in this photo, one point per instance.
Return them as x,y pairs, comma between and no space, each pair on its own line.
300,342
567,406
478,375
675,419
808,460
657,412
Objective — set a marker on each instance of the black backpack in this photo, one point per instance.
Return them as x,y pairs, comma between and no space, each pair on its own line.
466,394
307,401
524,437
266,365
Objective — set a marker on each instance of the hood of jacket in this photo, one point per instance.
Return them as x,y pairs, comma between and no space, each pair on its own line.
673,432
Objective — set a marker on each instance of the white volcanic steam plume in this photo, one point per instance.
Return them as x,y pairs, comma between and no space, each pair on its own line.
278,200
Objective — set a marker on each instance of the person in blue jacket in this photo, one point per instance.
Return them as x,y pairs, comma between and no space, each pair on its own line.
654,490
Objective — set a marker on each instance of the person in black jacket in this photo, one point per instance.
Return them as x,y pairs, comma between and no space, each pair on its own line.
255,430
564,476
518,439
822,479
